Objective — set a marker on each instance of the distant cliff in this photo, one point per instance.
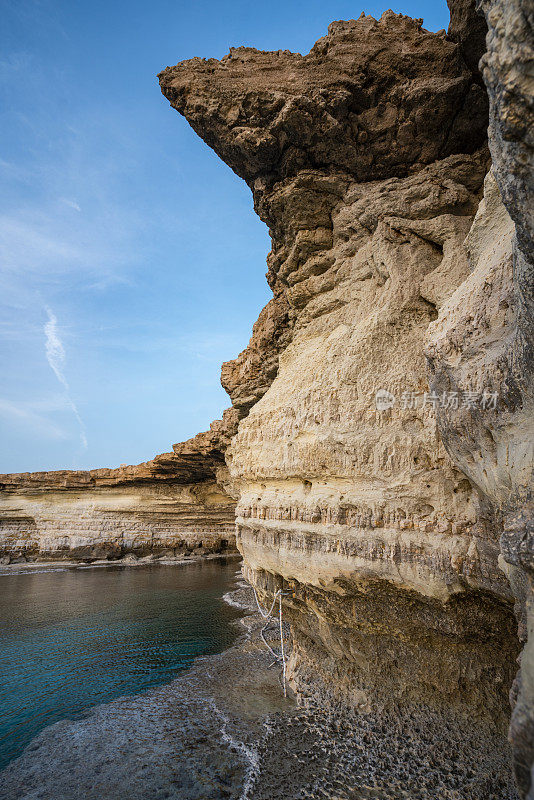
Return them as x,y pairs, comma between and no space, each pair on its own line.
172,505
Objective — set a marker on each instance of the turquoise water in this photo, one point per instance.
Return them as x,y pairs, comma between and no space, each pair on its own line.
72,639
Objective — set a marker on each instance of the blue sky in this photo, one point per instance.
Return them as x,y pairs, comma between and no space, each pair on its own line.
131,261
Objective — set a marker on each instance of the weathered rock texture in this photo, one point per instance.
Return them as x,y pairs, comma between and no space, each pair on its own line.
367,160
469,29
401,264
171,505
484,337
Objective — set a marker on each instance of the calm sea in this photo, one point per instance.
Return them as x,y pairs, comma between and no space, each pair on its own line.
72,639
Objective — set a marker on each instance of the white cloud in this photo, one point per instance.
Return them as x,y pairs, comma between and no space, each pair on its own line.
70,203
24,413
55,355
25,248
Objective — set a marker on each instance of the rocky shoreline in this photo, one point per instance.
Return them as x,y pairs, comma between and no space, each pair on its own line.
21,566
173,506
223,731
383,461
194,739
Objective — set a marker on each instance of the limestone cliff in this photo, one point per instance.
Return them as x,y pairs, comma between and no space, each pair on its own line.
384,399
171,505
379,447
483,340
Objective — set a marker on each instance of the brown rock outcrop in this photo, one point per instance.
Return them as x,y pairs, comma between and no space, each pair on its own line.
380,440
468,28
372,99
356,107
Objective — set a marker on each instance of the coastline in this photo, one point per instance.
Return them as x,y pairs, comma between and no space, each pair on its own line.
222,730
26,567
193,738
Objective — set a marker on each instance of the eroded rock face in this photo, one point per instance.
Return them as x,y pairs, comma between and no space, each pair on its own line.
301,129
380,439
483,339
372,99
366,158
469,29
139,519
173,505
507,71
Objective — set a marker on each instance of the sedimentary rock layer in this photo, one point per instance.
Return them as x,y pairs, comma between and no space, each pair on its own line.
141,519
380,441
171,505
367,160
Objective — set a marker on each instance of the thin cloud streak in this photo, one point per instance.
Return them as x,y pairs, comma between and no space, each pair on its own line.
23,413
55,355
